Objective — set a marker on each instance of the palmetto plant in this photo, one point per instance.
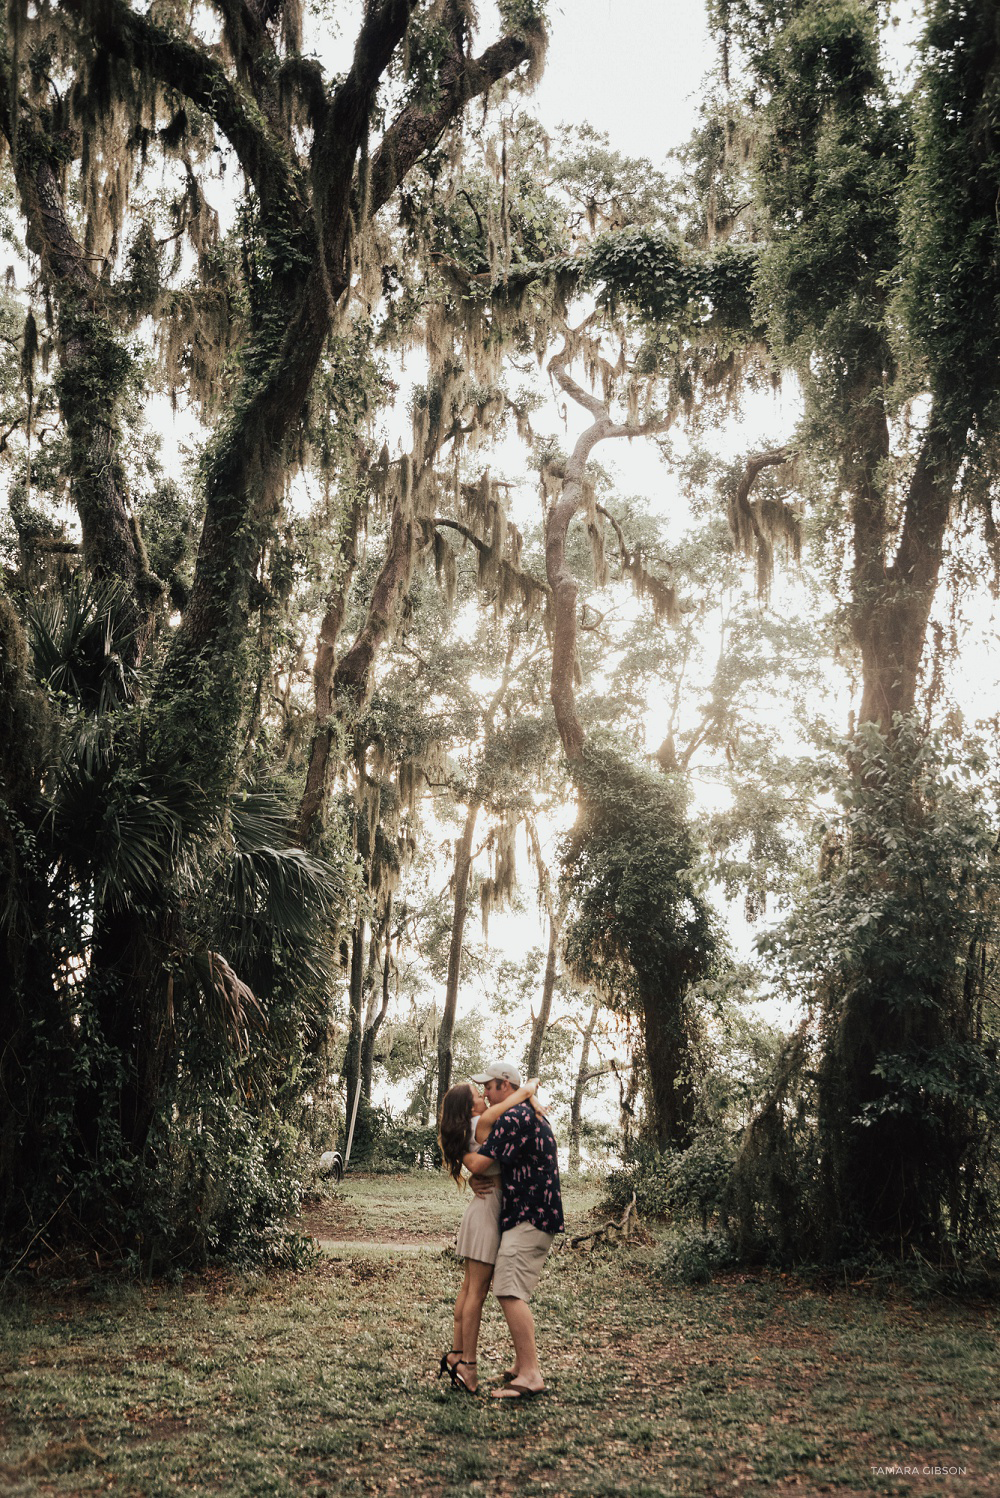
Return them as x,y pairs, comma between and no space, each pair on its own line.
189,942
127,827
79,639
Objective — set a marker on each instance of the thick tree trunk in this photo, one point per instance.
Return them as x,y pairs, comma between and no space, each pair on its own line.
202,687
881,1172
889,1173
131,1039
446,1032
892,605
669,1069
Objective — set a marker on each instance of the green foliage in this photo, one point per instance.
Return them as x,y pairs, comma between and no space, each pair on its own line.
389,1144
651,270
169,529
78,638
650,1176
828,166
897,948
950,294
640,928
516,14
663,281
606,187
408,1053
693,1258
224,1184
684,1185
701,1176
640,918
166,1126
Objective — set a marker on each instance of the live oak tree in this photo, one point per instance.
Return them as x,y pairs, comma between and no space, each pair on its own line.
91,92
878,285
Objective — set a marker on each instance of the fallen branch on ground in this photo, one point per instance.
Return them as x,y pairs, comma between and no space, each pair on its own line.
603,1234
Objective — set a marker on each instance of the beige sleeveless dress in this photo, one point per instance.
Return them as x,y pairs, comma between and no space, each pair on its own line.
479,1231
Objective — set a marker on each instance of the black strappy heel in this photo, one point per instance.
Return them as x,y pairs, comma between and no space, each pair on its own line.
457,1378
446,1367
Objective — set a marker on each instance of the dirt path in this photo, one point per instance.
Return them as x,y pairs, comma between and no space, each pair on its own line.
336,1246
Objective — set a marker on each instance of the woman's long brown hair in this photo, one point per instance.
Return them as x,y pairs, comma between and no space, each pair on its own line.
454,1126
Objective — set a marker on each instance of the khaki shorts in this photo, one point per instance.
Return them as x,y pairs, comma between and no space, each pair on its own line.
523,1251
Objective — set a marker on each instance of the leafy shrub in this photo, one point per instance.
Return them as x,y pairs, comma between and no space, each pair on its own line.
692,1257
649,1176
701,1176
384,1144
684,1184
224,1185
407,1146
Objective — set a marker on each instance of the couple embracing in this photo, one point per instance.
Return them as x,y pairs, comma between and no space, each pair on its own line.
503,1139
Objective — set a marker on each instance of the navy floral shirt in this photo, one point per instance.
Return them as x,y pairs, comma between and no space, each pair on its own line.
524,1146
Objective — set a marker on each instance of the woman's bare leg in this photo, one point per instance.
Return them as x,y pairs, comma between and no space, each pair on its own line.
478,1277
460,1303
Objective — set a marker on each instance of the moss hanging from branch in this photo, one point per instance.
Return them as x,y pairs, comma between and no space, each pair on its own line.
499,887
756,527
661,594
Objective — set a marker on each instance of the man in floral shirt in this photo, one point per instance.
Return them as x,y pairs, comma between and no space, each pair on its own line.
524,1146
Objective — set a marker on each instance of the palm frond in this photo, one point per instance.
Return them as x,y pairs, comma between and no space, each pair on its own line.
278,900
229,1006
78,639
126,835
268,876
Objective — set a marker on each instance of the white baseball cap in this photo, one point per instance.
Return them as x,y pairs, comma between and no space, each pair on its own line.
499,1071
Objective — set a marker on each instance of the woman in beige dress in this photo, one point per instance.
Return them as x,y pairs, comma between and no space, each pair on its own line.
465,1123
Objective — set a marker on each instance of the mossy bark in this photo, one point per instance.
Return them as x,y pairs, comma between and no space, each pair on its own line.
669,1061
892,603
95,366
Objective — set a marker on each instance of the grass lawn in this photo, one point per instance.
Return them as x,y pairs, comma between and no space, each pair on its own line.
323,1381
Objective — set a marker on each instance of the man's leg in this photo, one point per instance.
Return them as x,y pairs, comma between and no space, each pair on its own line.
521,1325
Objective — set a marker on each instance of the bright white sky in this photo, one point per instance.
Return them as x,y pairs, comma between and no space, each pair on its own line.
629,67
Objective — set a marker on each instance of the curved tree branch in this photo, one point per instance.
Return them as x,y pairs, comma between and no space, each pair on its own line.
562,581
418,126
